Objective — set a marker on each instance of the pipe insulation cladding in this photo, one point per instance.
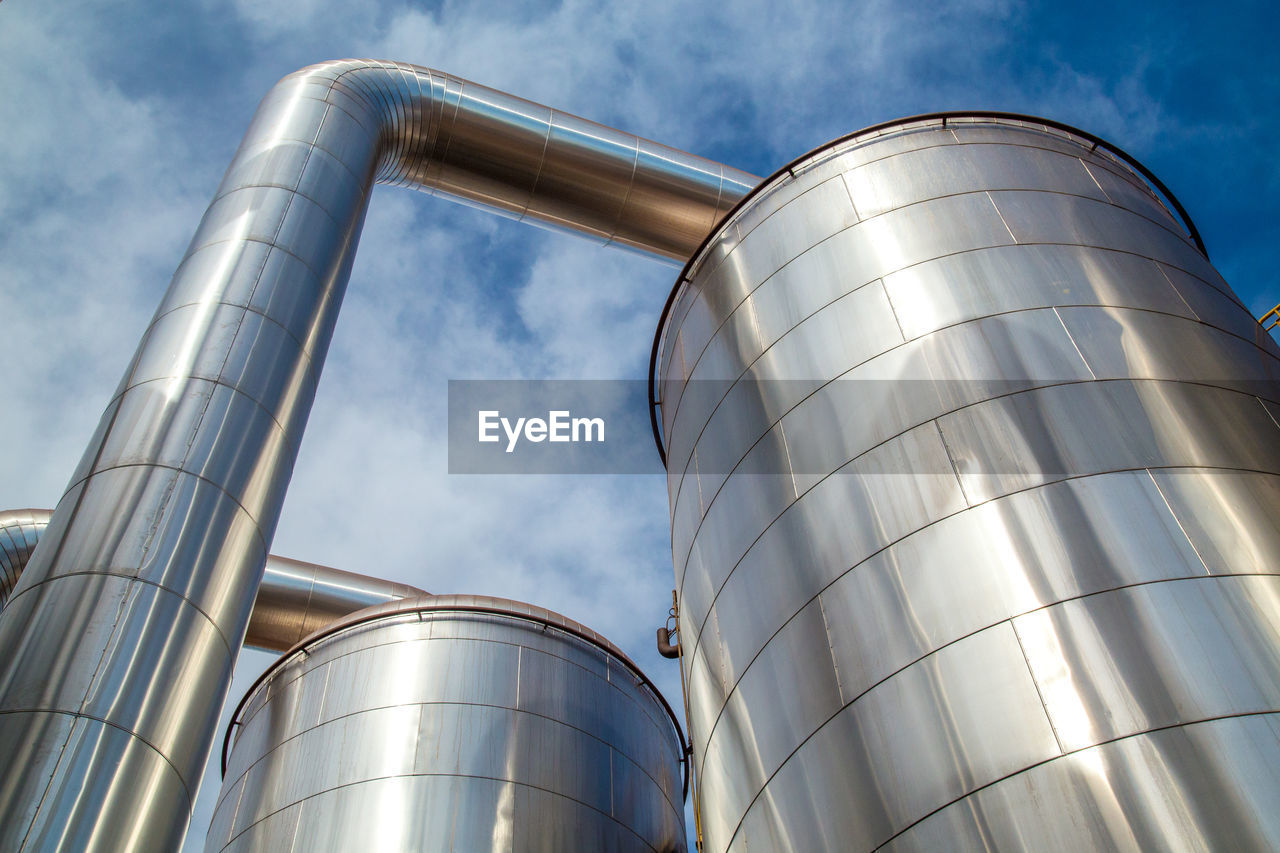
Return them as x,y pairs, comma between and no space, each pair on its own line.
121,635
294,599
453,722
974,468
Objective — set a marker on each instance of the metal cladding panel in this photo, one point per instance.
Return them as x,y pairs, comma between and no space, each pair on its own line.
975,470
162,632
294,600
448,729
1216,780
107,761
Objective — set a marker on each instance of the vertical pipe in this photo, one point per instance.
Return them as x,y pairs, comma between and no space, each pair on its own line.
974,468
122,631
124,628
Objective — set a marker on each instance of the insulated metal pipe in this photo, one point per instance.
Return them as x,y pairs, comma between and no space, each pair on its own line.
121,634
294,599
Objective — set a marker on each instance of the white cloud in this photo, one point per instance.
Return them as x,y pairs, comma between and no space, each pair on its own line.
96,207
592,313
273,19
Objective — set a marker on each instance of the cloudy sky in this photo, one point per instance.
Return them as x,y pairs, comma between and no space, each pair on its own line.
117,121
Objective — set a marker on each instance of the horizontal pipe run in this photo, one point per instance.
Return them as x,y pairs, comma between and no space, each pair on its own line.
443,135
294,600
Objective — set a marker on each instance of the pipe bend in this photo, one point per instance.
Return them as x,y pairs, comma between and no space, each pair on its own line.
444,135
20,530
667,648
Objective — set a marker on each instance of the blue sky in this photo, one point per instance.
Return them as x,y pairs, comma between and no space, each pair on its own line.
117,121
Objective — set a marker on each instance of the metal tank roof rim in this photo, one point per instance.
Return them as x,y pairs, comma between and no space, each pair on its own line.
462,603
683,278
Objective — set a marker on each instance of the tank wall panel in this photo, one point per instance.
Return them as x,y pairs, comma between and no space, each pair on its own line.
452,730
975,480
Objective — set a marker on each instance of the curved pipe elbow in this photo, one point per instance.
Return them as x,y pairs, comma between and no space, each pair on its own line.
406,125
666,648
20,530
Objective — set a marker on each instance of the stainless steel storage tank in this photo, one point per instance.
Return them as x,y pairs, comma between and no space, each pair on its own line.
453,722
973,460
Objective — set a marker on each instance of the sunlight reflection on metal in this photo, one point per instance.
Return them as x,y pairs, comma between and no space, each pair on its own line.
295,599
462,722
1035,469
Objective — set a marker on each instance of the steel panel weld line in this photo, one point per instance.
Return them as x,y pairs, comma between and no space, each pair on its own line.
121,634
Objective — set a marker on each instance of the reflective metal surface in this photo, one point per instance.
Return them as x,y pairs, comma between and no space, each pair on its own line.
1212,780
975,479
295,599
452,723
127,619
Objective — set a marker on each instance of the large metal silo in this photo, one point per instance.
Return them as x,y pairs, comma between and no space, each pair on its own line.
973,460
453,722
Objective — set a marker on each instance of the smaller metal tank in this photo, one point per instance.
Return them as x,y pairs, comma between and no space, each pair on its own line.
452,723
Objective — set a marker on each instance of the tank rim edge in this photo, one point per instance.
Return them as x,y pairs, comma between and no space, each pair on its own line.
463,603
683,277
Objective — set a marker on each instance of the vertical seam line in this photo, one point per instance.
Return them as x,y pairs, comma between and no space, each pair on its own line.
955,469
987,193
1178,522
1036,683
1075,345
